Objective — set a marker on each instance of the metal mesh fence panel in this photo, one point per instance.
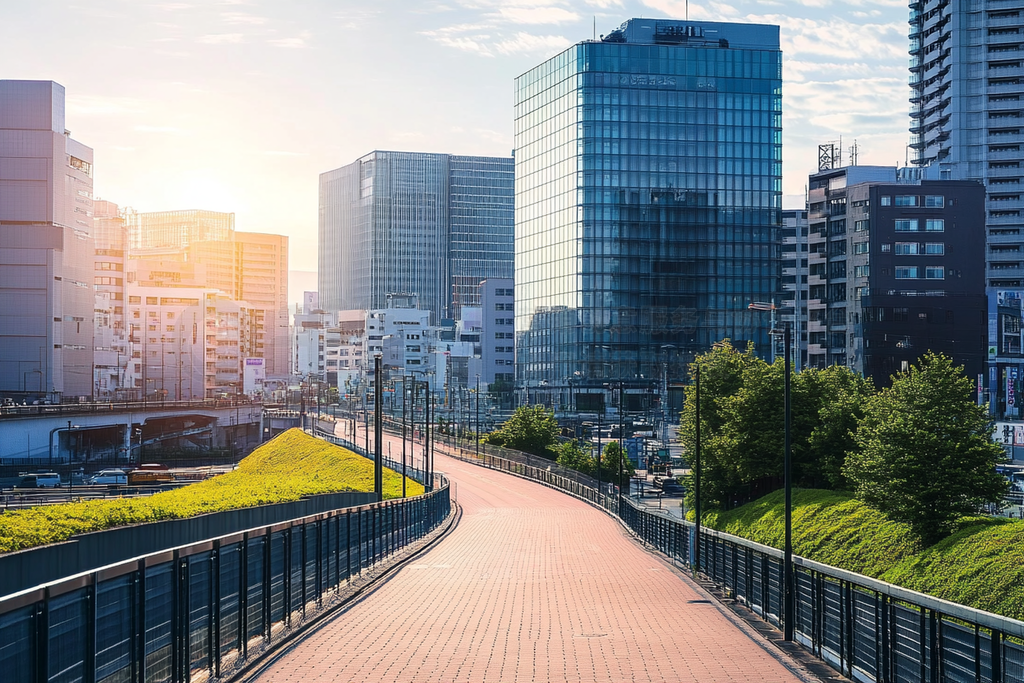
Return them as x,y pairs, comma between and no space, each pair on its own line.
200,587
158,630
67,637
115,629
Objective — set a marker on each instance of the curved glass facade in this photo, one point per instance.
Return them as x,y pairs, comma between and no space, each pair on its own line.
648,205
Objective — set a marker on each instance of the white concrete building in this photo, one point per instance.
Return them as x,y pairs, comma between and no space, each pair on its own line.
46,247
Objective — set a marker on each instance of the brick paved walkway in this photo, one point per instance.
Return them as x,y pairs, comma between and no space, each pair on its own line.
532,585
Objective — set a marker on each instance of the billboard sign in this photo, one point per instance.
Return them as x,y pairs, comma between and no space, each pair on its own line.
253,376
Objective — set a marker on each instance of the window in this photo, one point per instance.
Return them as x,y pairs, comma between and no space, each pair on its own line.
934,201
885,201
860,247
907,272
906,200
861,292
151,301
886,248
935,248
861,271
906,225
900,315
908,248
861,226
935,225
935,273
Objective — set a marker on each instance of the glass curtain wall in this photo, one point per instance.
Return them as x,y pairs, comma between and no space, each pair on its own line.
648,205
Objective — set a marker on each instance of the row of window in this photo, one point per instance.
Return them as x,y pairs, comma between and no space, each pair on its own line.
915,272
930,201
914,225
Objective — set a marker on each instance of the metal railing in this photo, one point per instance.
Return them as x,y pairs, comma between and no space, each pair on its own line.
867,629
206,609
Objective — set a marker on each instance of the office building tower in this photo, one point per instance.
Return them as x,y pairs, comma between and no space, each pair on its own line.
497,331
648,205
177,229
46,247
895,270
433,225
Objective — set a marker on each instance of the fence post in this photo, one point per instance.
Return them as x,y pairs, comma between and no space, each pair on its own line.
997,657
139,649
243,597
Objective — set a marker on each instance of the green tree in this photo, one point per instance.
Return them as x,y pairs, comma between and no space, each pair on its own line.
612,458
532,429
573,456
926,455
833,401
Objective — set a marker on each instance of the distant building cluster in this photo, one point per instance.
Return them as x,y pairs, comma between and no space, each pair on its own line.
638,221
103,303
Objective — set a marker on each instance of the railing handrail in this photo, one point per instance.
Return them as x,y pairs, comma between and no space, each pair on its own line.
259,530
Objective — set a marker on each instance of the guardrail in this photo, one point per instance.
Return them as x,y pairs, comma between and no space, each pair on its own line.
206,609
867,629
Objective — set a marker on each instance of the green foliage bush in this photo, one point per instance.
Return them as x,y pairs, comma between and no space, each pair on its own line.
531,429
285,469
981,565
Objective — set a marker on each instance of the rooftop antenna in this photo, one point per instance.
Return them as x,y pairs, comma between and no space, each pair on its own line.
853,153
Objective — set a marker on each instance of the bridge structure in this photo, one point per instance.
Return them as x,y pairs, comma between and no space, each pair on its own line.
48,435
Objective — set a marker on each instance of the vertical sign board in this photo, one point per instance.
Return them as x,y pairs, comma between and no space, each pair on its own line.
253,376
1011,387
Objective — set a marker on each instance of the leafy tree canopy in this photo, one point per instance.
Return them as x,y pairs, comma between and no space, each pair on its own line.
531,429
611,460
573,456
925,453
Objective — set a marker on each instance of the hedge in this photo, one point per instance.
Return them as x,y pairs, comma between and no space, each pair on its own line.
285,469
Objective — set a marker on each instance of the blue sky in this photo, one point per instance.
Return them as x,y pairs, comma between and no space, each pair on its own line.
239,105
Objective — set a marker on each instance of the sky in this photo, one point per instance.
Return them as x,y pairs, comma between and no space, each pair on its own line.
239,105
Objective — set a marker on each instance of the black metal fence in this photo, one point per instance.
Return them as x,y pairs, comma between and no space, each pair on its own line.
207,608
868,630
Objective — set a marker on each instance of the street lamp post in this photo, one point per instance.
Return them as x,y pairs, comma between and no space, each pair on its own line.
378,406
788,588
696,473
478,416
403,436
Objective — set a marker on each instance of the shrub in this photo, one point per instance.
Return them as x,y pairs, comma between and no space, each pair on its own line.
285,469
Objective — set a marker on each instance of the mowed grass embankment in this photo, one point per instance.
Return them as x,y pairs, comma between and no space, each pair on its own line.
981,565
285,469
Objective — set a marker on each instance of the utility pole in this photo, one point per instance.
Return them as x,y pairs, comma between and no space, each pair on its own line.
404,387
696,475
378,467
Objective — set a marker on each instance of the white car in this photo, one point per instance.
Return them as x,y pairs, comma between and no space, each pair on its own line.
39,480
108,477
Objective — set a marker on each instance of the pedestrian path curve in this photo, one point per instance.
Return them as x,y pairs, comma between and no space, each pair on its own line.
532,585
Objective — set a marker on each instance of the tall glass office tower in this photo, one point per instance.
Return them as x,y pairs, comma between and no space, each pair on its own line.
648,206
434,225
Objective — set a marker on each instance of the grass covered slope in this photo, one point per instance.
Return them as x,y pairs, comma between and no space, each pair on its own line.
285,469
981,565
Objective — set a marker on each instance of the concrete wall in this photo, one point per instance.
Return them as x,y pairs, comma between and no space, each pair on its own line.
35,566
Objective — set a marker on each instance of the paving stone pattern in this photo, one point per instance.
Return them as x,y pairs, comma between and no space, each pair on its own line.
532,585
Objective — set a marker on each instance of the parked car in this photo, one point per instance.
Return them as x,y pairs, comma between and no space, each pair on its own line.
39,480
108,477
150,473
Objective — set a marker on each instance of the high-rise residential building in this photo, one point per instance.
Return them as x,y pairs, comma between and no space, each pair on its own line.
648,205
46,247
895,270
497,331
795,275
110,336
246,266
253,267
176,229
433,225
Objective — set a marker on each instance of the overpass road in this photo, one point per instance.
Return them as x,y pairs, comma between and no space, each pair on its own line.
532,585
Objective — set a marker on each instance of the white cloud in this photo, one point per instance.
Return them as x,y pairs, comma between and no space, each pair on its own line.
466,44
300,41
537,15
221,38
526,43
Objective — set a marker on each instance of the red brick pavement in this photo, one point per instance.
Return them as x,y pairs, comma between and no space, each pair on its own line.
532,585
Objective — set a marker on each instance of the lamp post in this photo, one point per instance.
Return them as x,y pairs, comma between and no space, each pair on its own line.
696,473
378,406
403,435
478,416
789,592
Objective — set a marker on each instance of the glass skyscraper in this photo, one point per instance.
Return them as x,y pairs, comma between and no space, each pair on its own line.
434,225
648,206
